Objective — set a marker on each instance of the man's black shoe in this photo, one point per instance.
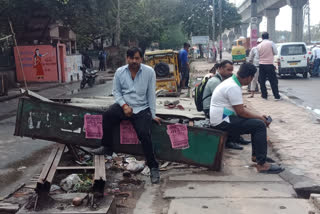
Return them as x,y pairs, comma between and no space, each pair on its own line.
232,145
154,175
243,141
102,150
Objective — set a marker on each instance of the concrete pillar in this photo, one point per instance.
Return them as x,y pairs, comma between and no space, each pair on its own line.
258,26
297,19
244,29
271,15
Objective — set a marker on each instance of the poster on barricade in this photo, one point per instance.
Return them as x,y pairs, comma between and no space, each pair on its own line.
93,126
128,134
178,134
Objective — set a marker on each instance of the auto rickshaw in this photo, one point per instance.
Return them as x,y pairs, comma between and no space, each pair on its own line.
238,54
165,63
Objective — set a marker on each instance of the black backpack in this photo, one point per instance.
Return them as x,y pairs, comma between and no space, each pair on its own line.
199,93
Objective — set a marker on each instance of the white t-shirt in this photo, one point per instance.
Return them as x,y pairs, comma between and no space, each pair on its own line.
227,94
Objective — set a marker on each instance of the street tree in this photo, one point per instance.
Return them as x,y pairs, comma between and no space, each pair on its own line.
197,19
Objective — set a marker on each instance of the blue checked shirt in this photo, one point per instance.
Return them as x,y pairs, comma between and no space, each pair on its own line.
139,93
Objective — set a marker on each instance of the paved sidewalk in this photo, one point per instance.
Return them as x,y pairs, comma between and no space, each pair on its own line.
294,132
237,189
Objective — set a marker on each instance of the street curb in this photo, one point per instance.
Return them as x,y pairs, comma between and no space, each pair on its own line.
10,97
304,186
315,200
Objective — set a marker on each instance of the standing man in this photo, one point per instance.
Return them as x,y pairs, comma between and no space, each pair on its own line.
185,68
267,49
228,113
316,62
254,59
134,93
105,55
87,61
101,61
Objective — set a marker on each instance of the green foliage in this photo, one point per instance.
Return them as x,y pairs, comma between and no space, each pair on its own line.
197,19
169,22
173,38
315,33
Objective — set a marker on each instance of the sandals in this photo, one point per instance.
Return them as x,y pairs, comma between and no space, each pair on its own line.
274,169
268,160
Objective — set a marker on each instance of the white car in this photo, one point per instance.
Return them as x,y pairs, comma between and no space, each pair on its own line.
292,59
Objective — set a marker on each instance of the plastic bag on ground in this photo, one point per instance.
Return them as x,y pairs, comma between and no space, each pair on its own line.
69,182
135,166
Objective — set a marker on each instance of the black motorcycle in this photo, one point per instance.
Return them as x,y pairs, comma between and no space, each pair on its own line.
88,76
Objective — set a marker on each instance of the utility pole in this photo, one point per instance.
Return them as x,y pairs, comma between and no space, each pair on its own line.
117,36
220,27
214,29
253,24
309,27
213,20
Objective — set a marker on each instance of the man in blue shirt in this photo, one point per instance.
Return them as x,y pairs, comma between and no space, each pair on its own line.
184,62
134,93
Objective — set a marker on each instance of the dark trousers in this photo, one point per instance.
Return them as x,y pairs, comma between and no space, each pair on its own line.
316,64
102,65
141,122
206,113
268,71
255,127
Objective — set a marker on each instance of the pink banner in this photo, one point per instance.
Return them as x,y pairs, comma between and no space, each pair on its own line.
93,126
128,134
178,134
253,38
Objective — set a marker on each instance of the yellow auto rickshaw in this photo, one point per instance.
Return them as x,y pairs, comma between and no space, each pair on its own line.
165,63
238,54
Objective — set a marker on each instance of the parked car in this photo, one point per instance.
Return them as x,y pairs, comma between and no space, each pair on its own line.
292,59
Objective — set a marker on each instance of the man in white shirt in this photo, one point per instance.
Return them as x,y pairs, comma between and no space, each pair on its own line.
228,113
316,62
254,59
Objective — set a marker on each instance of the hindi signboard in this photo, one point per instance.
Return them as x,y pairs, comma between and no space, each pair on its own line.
200,40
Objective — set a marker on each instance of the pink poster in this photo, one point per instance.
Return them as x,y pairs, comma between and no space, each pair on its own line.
178,134
128,134
93,126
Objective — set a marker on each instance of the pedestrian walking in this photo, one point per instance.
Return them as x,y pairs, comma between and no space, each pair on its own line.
101,61
105,55
267,49
316,62
134,92
184,62
254,59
